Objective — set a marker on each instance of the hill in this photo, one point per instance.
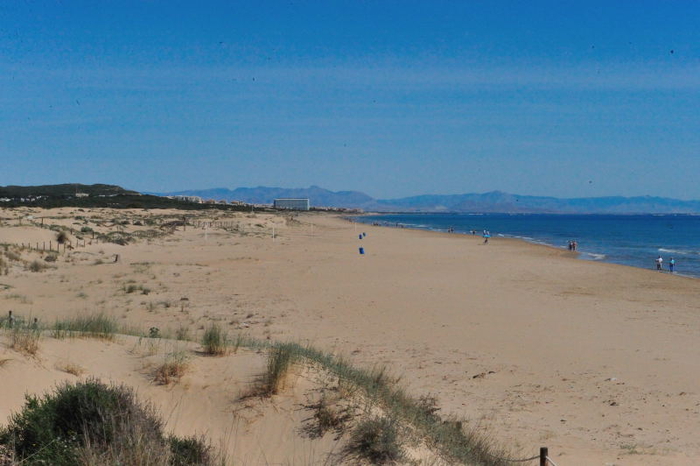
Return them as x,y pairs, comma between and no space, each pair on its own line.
96,195
63,190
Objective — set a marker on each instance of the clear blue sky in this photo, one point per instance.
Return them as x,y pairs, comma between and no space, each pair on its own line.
391,98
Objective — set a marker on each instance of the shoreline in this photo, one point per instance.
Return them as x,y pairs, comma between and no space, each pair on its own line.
595,257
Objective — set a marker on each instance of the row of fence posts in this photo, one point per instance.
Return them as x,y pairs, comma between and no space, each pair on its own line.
66,245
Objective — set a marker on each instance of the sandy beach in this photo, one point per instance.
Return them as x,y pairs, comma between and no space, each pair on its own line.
598,362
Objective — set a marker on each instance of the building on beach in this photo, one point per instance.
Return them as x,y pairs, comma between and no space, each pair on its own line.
195,199
291,204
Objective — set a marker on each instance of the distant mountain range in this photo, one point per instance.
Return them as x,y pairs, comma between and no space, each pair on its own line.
491,202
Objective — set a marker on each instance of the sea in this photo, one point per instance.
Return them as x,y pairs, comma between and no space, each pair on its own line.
633,240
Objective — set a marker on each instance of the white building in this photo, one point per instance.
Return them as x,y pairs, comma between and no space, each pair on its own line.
195,199
291,204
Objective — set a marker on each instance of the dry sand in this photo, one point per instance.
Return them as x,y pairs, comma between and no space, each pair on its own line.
599,362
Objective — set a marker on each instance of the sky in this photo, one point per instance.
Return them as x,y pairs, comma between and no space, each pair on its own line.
392,98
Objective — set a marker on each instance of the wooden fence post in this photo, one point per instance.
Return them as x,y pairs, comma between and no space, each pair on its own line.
544,452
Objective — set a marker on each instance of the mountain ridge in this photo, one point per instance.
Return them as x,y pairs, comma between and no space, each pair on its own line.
489,202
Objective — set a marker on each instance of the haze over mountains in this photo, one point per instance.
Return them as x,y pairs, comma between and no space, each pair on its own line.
495,201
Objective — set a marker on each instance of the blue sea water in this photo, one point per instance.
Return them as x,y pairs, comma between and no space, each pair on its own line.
634,240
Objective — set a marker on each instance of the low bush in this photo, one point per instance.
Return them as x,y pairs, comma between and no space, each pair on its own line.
190,451
131,288
36,266
61,237
93,423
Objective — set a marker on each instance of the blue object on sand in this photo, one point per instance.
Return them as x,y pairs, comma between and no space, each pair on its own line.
360,236
362,250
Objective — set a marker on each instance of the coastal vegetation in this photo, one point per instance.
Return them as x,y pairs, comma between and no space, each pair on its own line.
378,419
92,423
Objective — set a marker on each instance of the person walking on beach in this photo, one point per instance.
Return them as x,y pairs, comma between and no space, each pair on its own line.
659,263
671,264
487,235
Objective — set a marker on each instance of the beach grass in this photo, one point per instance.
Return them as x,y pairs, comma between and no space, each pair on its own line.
214,340
172,369
97,325
25,339
421,424
375,440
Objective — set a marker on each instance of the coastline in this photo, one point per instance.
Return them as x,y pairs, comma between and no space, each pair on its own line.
596,317
597,361
601,251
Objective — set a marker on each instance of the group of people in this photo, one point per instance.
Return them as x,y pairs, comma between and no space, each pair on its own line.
573,245
660,264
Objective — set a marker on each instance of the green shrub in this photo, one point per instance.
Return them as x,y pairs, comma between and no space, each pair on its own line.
52,429
93,423
190,451
37,266
61,237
